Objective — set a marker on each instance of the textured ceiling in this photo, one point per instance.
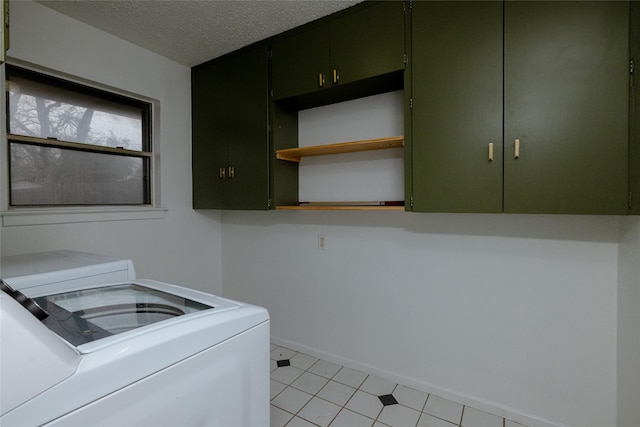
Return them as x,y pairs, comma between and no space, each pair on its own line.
193,31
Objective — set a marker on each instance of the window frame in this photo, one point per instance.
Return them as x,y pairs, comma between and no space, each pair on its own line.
61,214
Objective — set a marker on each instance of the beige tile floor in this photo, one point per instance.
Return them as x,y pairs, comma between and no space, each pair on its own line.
310,392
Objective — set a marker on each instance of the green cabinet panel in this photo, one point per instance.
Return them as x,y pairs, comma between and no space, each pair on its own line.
248,139
209,150
4,29
634,110
566,100
367,42
301,62
559,86
284,175
362,42
230,132
457,106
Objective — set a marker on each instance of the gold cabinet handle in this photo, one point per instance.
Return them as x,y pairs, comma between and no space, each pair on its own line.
222,172
491,151
232,172
336,77
516,149
321,80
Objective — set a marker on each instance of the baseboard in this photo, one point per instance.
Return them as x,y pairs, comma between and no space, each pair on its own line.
465,399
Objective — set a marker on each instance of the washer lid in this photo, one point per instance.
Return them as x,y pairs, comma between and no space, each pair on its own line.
33,358
86,315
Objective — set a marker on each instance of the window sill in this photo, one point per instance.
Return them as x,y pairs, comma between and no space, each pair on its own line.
44,216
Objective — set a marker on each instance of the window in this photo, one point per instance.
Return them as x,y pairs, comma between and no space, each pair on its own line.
74,145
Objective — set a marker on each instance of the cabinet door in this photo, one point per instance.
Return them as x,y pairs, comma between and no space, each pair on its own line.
368,41
634,110
209,129
4,29
457,106
230,139
300,62
566,101
248,138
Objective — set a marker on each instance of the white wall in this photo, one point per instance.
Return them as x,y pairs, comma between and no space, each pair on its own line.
515,314
363,176
184,245
629,323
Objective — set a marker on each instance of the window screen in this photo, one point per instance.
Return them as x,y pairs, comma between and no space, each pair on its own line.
71,144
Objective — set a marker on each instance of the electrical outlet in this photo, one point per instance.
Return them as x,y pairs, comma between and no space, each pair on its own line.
321,241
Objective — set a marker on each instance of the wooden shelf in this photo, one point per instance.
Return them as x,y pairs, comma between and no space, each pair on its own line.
345,206
340,208
295,154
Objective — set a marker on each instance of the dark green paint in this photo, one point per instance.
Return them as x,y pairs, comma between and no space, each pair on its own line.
553,74
368,41
284,174
634,110
408,119
230,117
298,60
360,43
566,99
457,106
566,85
209,150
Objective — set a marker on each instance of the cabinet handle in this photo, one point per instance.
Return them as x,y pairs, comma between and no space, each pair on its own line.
222,172
491,151
516,149
336,77
321,80
232,172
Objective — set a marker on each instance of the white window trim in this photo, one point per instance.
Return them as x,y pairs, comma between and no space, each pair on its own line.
23,216
13,218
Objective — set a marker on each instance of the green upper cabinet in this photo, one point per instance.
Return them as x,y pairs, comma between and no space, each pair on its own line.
362,42
230,142
634,110
566,102
557,93
209,149
367,42
457,106
4,29
300,62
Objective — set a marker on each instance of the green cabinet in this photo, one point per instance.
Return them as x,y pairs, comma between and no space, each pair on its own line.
300,62
230,140
557,92
4,29
363,42
457,106
634,110
566,101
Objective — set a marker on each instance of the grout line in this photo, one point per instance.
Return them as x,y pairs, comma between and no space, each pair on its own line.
316,393
356,389
424,406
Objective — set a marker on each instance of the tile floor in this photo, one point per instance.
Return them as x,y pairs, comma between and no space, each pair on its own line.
310,392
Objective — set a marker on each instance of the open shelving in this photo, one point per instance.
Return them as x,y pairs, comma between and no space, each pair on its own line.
296,154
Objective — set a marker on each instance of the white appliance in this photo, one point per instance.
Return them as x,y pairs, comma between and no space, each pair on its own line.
64,267
133,353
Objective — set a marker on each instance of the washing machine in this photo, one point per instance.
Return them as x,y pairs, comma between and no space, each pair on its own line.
131,353
65,268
